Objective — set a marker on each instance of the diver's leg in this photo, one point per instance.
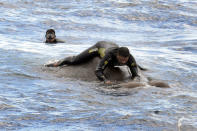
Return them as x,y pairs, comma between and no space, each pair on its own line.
81,58
96,50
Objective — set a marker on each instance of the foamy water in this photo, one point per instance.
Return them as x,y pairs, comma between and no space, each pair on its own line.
161,35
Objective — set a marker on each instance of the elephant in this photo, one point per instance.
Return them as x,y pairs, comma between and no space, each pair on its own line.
120,75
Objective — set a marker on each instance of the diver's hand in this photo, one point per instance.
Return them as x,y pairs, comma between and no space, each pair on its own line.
108,82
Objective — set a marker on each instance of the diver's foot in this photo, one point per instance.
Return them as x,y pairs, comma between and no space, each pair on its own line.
51,65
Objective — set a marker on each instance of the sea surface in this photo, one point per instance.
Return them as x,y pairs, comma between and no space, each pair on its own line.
161,35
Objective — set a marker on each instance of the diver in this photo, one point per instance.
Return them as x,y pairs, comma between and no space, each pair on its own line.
111,55
51,37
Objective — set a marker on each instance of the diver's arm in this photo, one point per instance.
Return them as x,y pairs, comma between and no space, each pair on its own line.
134,72
101,67
100,75
133,67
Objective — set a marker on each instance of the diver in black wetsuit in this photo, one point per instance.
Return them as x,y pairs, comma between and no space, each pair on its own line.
111,55
51,37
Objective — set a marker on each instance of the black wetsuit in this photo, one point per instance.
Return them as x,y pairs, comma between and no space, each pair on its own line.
107,51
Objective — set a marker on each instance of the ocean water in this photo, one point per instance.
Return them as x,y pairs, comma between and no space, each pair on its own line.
160,34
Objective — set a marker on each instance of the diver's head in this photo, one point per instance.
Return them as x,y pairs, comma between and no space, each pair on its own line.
50,36
123,55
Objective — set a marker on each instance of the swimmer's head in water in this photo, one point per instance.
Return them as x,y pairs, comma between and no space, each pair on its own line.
50,36
123,55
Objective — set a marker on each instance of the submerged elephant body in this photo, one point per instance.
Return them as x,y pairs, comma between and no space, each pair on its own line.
86,72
